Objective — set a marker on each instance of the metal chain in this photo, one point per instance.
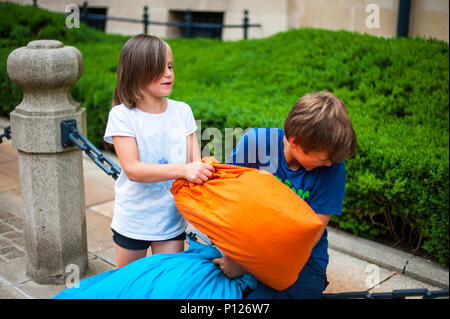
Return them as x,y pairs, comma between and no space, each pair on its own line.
70,136
6,134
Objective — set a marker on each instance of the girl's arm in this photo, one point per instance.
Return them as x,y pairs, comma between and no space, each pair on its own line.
192,149
137,171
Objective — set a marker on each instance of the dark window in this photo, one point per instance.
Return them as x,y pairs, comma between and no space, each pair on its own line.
98,24
197,17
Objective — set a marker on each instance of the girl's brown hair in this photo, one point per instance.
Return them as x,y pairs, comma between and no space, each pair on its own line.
142,61
320,122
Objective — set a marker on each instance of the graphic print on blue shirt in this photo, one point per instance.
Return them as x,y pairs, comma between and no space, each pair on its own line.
300,192
322,188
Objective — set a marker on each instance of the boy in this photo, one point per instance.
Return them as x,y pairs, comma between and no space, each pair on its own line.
308,156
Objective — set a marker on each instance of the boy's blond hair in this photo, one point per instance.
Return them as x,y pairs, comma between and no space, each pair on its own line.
320,122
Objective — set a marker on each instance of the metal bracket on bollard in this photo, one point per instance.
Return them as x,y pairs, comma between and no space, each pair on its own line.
70,136
67,127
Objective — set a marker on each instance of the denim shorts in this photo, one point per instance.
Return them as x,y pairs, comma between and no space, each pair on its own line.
310,284
137,244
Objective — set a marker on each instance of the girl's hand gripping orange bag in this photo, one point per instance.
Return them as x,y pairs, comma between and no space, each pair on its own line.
253,218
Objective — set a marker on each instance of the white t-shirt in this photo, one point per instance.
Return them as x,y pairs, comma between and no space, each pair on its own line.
147,211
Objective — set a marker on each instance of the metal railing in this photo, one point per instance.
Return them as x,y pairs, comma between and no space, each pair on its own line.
395,294
187,25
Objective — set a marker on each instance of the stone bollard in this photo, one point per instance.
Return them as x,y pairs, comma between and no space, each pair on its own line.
51,177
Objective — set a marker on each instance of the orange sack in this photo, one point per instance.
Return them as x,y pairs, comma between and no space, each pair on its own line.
253,218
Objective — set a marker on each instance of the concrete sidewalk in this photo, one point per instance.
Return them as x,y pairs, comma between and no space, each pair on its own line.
356,264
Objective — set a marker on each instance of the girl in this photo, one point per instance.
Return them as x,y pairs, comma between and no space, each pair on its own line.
154,138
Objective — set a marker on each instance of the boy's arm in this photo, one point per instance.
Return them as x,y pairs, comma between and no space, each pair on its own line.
229,267
329,196
324,219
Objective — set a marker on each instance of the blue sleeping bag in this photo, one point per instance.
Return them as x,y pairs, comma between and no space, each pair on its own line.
186,275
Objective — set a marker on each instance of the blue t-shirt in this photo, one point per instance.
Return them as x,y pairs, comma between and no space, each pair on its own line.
323,188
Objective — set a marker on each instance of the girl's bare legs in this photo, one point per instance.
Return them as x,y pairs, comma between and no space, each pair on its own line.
126,256
168,246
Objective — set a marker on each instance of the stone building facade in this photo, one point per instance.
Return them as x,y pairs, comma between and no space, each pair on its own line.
427,18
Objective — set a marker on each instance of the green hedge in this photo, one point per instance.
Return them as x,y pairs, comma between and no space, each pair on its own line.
396,91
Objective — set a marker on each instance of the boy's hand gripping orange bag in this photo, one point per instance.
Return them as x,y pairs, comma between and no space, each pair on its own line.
253,218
